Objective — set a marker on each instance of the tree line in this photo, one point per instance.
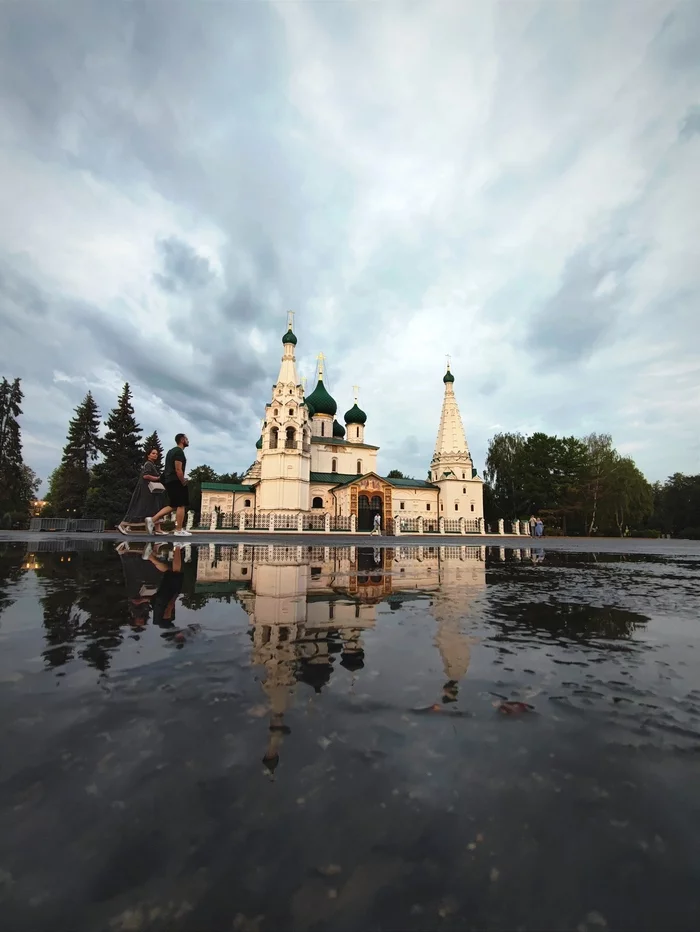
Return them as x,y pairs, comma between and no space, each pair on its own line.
584,486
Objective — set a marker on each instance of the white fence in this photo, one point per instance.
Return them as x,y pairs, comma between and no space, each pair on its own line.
320,522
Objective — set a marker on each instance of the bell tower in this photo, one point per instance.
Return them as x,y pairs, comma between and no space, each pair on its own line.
285,458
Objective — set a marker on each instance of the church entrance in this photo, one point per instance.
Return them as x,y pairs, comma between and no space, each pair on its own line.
367,508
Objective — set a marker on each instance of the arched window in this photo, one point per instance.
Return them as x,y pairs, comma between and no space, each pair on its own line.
464,490
291,441
463,476
274,435
357,432
246,503
359,467
317,502
472,506
323,428
276,411
334,465
376,503
456,506
291,414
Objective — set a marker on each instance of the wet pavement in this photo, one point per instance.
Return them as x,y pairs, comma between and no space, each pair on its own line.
260,737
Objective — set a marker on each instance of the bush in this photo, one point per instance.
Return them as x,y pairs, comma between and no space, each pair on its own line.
652,533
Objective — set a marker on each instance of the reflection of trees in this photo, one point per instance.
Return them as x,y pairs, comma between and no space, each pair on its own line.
84,599
12,569
573,621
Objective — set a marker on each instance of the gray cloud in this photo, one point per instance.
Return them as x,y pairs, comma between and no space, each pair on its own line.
574,322
183,268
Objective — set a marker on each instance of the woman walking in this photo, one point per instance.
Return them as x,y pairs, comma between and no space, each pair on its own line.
148,496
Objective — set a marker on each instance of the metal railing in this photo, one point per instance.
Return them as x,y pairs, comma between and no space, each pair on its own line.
341,522
67,524
286,522
452,526
314,522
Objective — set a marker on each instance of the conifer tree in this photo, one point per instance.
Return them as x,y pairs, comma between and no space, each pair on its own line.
113,479
152,442
71,481
17,482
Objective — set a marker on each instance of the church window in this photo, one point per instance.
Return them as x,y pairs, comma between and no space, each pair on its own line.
323,428
376,503
442,507
334,465
472,506
464,490
359,467
317,502
244,571
246,503
427,507
357,432
291,440
291,412
456,506
401,505
276,411
274,433
463,476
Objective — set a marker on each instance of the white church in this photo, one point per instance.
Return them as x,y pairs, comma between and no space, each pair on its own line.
308,462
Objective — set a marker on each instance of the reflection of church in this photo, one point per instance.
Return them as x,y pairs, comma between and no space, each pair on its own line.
308,462
311,607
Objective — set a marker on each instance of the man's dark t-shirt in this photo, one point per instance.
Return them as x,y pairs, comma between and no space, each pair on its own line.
169,474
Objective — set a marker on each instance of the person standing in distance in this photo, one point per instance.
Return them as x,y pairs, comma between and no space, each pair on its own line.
175,486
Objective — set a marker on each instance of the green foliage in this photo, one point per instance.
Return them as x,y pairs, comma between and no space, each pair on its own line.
395,474
69,483
112,481
197,476
152,442
18,483
580,486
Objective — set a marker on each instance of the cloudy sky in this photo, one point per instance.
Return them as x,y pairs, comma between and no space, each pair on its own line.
516,184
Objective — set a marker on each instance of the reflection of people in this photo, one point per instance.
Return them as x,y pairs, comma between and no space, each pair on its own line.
142,576
148,495
176,486
538,556
168,591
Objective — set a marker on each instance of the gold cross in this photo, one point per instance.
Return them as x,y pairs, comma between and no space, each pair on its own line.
355,391
448,358
290,320
321,357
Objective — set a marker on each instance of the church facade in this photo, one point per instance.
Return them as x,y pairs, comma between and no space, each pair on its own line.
308,462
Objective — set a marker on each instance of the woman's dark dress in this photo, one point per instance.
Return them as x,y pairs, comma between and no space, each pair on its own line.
144,503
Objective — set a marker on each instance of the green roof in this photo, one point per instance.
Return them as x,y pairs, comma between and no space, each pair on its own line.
355,415
348,443
321,401
338,429
448,377
289,337
229,585
332,478
410,483
225,487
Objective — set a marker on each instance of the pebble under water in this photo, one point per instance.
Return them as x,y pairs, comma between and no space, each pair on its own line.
277,737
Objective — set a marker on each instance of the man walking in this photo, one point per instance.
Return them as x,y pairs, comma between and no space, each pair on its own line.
175,486
532,522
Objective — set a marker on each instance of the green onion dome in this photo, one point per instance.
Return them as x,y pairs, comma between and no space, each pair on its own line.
309,407
338,429
258,445
448,377
355,415
321,401
289,338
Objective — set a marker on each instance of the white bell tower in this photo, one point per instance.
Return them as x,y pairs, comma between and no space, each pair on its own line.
285,459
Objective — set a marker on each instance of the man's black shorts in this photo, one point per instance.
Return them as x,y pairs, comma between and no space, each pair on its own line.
178,494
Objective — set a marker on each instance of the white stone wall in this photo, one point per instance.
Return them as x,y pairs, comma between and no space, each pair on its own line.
347,455
464,493
414,501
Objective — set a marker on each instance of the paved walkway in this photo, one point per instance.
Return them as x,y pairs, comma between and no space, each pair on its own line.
690,548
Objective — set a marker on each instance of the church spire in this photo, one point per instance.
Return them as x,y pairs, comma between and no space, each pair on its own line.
451,454
288,370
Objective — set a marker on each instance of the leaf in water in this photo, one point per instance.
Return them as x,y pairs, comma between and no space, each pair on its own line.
324,742
513,707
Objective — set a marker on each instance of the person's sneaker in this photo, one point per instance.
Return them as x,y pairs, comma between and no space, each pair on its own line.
123,547
182,533
122,529
150,526
147,551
